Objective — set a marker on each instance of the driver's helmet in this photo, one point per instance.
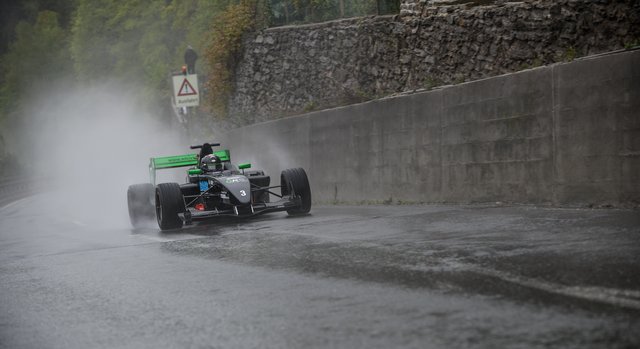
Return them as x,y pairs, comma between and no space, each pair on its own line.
211,163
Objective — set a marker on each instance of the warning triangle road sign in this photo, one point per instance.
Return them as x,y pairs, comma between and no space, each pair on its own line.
186,89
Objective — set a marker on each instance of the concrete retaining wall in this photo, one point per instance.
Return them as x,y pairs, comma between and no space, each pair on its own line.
567,134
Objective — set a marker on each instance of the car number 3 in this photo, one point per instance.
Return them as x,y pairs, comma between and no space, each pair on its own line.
243,193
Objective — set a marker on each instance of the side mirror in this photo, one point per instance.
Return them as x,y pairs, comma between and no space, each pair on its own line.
244,166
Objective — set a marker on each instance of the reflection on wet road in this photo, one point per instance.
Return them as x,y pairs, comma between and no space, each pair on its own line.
374,276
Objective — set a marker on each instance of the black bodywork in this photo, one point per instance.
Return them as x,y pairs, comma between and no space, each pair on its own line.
232,193
227,190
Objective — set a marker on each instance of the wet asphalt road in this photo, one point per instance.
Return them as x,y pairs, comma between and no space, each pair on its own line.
345,276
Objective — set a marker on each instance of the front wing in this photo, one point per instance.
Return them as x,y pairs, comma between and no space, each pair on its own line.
285,203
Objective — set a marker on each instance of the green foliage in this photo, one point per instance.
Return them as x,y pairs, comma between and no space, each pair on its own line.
431,82
570,54
224,51
191,22
37,57
136,41
124,39
632,44
13,12
141,40
91,40
311,106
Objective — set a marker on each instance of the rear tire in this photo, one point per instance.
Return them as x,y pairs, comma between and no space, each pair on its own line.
294,181
140,199
169,202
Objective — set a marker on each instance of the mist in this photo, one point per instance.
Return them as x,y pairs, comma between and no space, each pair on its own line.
88,144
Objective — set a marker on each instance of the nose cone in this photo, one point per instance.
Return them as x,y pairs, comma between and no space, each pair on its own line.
239,188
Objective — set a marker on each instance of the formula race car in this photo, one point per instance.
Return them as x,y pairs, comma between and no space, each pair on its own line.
215,187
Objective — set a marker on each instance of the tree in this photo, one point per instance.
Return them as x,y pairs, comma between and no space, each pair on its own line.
35,60
14,12
140,40
92,38
38,56
126,39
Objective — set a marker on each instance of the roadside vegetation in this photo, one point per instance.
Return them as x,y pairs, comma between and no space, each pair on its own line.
52,44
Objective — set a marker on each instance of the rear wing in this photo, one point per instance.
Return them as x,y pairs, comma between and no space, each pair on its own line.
180,161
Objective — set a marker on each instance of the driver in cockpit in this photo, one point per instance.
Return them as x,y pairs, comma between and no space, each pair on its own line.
211,163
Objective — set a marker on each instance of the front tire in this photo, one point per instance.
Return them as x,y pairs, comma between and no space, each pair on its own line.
294,181
169,202
140,202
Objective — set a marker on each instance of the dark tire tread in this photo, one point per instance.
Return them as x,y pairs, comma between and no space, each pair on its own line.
140,203
169,202
295,180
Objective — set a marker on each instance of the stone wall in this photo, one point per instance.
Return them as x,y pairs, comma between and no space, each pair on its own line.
566,134
288,70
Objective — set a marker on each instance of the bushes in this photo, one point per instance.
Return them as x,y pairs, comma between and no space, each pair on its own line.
225,50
